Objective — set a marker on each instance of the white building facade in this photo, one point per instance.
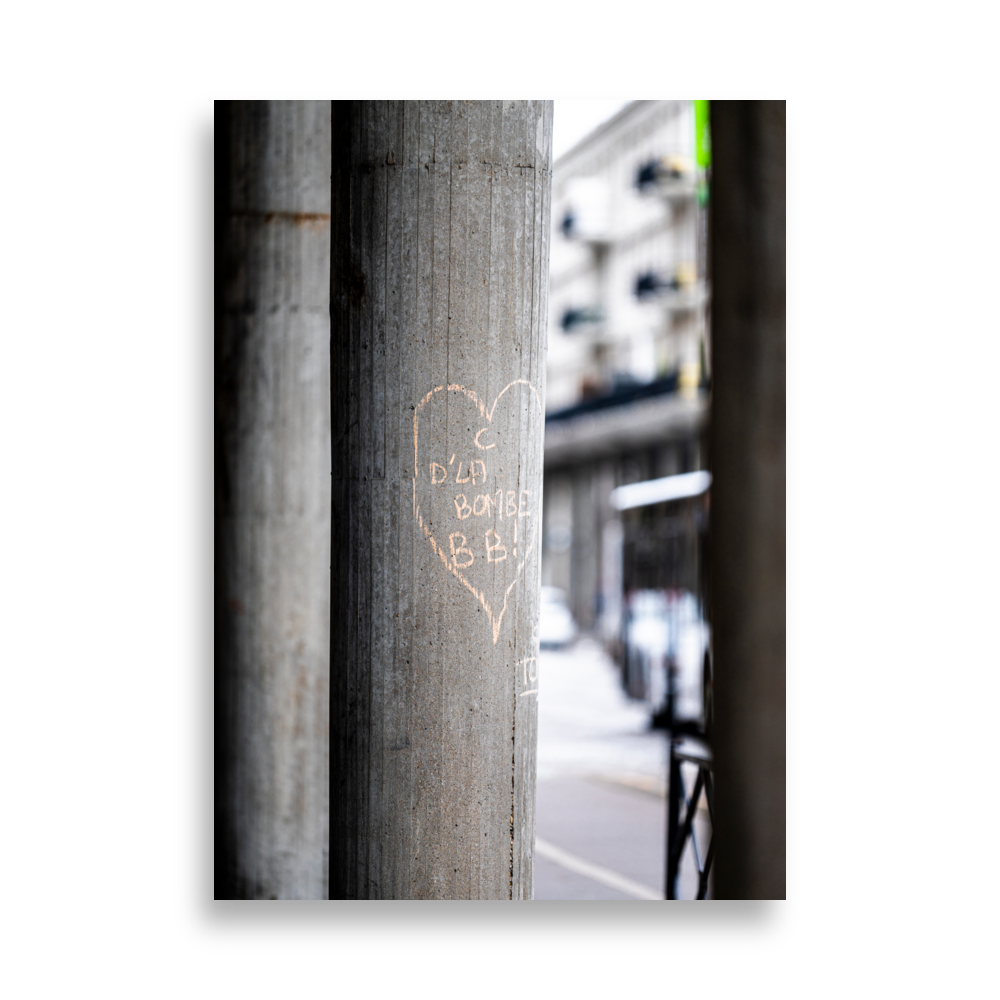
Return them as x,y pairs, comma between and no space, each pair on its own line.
628,363
626,304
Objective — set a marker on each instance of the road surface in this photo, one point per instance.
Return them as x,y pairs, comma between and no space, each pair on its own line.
601,806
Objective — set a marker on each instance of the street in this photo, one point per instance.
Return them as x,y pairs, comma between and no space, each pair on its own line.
601,803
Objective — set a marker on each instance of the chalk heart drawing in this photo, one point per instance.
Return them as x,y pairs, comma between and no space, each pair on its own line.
472,500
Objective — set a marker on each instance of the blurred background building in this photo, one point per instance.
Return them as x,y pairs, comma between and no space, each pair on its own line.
629,363
624,619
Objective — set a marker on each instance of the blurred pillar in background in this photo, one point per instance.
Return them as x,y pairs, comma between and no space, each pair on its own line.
439,270
272,495
748,495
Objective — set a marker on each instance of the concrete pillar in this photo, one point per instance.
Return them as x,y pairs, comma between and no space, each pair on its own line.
439,272
586,552
557,552
612,590
748,495
272,498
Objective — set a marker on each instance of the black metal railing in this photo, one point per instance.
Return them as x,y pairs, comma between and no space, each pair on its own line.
690,743
682,809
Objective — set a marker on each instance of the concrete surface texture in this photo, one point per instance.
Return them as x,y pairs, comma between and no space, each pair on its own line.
272,495
438,292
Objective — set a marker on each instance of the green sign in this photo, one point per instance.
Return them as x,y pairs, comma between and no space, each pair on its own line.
702,135
702,148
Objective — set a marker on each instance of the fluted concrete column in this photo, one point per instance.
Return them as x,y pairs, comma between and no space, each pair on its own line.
272,498
748,495
440,237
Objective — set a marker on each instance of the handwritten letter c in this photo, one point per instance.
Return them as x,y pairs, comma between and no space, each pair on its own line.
482,447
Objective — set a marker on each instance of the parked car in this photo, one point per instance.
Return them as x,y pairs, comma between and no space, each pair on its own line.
556,626
646,643
665,639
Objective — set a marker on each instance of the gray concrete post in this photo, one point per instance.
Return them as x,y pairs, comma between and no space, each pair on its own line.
440,245
748,495
272,498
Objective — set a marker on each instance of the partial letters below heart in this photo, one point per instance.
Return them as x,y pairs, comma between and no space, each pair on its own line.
470,498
